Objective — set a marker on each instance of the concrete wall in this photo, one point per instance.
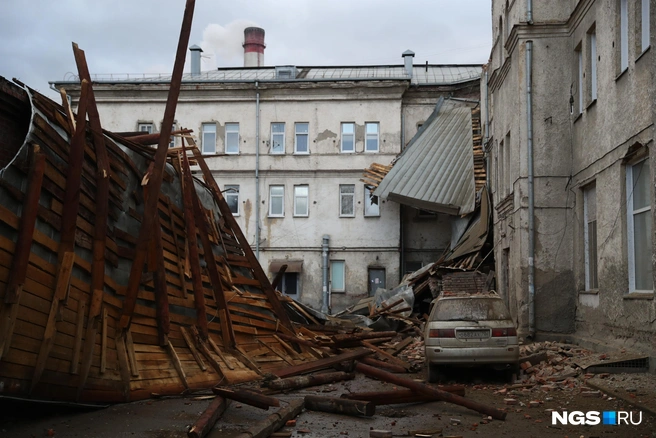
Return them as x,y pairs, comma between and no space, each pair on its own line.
572,151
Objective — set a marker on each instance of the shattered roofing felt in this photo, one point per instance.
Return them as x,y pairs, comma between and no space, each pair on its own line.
436,170
424,75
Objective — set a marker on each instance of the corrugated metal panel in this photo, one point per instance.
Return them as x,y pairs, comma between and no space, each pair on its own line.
436,171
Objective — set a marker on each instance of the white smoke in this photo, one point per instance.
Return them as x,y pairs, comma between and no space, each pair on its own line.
222,45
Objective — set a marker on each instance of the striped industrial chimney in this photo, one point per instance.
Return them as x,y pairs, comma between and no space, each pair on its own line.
253,47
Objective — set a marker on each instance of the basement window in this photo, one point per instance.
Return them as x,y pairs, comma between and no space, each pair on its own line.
337,276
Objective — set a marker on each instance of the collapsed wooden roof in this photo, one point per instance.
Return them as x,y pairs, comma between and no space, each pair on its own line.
204,310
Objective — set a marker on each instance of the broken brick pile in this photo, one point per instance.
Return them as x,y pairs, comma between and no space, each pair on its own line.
414,353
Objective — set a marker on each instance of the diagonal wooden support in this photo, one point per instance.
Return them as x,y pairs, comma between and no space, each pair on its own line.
155,182
258,272
18,272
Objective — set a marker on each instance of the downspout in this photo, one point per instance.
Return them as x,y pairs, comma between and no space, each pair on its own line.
257,170
487,132
324,262
401,240
531,194
529,11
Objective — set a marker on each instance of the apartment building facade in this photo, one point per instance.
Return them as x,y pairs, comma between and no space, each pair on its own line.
288,145
570,109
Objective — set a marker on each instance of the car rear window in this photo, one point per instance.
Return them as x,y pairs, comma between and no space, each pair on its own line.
470,309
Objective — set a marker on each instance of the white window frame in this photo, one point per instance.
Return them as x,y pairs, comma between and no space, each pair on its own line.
145,127
347,135
299,134
298,196
368,135
591,255
645,31
624,35
342,195
232,191
343,276
370,209
593,65
630,218
208,129
282,200
231,136
579,54
172,142
277,138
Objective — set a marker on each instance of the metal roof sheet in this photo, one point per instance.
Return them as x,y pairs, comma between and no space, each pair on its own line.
436,170
422,74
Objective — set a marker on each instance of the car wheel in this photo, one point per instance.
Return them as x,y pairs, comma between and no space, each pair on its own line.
433,373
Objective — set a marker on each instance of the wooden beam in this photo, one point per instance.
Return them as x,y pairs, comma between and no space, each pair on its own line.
79,331
132,357
206,421
258,272
356,408
307,381
250,398
103,341
155,182
178,365
322,363
192,348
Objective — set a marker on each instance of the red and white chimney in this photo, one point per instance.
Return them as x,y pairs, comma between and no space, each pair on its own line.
253,47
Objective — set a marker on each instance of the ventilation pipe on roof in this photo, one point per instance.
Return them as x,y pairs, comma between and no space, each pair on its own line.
407,60
195,60
253,47
531,194
324,262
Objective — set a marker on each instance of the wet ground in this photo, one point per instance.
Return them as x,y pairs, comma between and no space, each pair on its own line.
164,418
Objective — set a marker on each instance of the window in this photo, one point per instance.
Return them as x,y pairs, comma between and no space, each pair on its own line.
208,131
232,138
371,203
289,283
348,137
592,40
371,137
644,25
347,200
301,201
277,138
172,142
590,236
231,195
276,201
146,127
337,276
301,143
500,172
507,173
579,82
624,35
639,227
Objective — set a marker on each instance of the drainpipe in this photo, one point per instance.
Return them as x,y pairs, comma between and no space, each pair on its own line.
529,11
257,171
401,240
324,261
531,194
487,132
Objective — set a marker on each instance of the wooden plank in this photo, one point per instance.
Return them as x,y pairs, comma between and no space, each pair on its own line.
177,364
81,307
129,346
103,341
322,363
275,352
219,353
192,347
123,362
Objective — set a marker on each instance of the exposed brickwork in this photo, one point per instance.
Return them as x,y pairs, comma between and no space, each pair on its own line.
14,120
470,282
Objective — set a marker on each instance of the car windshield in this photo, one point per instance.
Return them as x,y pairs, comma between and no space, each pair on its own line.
470,309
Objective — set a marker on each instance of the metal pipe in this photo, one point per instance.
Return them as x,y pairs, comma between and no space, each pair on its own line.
531,194
487,131
401,225
257,170
529,11
324,262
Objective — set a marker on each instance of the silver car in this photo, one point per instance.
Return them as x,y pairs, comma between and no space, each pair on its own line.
471,330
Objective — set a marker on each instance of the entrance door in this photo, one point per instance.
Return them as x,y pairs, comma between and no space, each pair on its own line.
376,280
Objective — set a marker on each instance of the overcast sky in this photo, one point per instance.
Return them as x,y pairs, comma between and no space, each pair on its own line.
140,36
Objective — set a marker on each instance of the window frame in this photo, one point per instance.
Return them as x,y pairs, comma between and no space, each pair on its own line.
229,192
149,125
272,150
281,196
228,132
367,134
298,134
645,25
342,195
591,255
343,276
624,35
346,135
172,140
203,131
368,202
592,43
631,213
579,77
284,281
307,200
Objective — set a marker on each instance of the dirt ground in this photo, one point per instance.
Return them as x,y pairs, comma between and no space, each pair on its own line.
165,418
